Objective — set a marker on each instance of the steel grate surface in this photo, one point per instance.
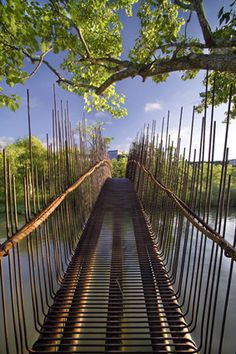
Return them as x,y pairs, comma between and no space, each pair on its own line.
115,296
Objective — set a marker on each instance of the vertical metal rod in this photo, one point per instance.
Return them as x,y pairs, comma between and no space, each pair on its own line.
4,309
229,283
12,303
6,193
11,210
15,203
31,154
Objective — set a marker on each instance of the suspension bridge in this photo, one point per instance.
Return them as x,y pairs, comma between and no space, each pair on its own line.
104,265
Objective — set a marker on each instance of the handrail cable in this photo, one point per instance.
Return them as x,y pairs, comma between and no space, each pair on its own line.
197,221
46,212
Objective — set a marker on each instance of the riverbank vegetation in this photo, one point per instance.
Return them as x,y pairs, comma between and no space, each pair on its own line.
18,154
19,162
215,187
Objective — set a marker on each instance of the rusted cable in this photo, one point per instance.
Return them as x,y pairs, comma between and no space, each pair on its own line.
195,220
46,212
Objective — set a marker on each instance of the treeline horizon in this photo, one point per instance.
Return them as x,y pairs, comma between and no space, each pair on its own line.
19,157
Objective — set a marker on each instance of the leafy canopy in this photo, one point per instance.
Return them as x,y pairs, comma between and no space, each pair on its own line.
86,37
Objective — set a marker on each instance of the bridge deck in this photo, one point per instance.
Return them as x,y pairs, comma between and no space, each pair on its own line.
115,296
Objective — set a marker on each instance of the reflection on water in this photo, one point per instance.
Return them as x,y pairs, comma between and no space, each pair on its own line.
21,221
25,300
230,338
229,346
230,224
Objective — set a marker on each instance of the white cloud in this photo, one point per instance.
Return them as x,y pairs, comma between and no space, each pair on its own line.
125,146
5,140
152,106
101,114
184,134
104,120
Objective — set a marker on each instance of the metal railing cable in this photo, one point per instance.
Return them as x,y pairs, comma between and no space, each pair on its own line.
187,198
42,257
34,223
45,214
193,218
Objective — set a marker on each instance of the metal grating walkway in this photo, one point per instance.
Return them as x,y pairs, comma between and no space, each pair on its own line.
115,296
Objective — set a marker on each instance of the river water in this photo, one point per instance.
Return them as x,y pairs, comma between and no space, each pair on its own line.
230,338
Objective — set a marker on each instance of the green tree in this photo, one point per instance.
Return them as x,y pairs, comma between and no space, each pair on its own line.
89,132
215,184
18,154
87,34
119,167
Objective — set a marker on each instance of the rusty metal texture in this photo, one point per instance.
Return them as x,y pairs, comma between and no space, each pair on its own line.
115,296
46,210
116,271
175,185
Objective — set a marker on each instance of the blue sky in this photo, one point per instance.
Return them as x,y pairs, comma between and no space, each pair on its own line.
145,102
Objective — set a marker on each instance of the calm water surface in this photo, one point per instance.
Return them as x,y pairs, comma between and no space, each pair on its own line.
230,339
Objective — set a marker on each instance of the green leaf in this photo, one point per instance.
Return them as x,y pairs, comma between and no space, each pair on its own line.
83,32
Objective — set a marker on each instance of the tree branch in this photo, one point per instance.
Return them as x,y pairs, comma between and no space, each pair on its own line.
187,23
216,62
61,79
196,5
206,29
183,5
82,39
178,46
40,62
118,76
222,43
119,62
73,24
